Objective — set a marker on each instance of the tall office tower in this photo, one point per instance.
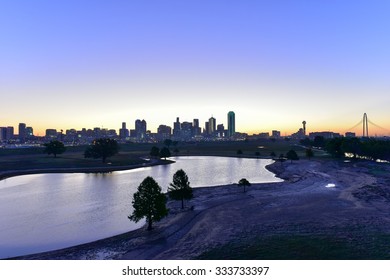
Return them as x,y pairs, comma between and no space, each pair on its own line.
221,130
176,128
123,132
51,134
186,131
22,132
220,127
212,125
196,123
10,132
140,129
164,132
29,132
196,129
133,133
144,129
3,133
275,134
231,123
206,128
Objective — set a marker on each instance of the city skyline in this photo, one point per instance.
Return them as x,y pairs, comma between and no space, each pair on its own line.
139,127
72,65
229,123
180,130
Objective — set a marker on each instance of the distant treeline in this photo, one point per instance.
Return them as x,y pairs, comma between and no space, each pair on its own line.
369,148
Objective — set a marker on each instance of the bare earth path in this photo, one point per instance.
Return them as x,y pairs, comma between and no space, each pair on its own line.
302,204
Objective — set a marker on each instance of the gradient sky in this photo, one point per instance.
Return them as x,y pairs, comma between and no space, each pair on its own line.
78,63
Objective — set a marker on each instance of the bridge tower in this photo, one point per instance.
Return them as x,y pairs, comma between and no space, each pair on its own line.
365,125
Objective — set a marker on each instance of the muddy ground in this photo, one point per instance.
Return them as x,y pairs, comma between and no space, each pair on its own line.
219,221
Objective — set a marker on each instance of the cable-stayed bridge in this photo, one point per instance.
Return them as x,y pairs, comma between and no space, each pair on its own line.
365,131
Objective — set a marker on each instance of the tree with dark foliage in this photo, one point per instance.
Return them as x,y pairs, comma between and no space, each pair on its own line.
149,202
180,187
154,151
54,147
164,153
244,183
292,155
102,148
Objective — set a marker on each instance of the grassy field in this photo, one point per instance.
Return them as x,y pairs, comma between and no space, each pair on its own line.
259,148
372,246
131,153
35,158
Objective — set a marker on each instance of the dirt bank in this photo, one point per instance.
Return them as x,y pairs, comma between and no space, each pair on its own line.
331,198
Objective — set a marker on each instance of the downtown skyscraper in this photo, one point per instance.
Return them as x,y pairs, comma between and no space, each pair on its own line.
231,123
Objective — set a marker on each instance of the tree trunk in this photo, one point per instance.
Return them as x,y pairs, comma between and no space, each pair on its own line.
182,203
150,224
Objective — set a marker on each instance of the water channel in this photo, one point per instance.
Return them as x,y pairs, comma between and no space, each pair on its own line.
45,212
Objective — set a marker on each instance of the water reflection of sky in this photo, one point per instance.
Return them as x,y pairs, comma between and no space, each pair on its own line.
50,211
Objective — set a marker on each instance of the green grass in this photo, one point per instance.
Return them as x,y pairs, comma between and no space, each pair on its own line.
32,158
303,247
66,160
248,148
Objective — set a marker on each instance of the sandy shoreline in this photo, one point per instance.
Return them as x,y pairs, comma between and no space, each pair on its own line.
302,204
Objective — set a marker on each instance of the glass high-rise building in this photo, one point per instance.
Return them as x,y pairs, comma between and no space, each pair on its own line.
196,128
140,129
176,128
231,123
212,125
22,131
123,132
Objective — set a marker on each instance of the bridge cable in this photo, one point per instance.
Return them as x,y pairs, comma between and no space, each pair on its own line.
356,125
378,126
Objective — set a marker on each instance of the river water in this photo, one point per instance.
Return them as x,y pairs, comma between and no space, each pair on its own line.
45,212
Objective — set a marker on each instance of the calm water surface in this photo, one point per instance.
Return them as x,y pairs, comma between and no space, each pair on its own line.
51,211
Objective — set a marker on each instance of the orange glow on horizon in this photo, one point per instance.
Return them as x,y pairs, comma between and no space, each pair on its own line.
359,131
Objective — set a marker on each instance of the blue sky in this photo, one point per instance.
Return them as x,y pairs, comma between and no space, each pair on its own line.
74,64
